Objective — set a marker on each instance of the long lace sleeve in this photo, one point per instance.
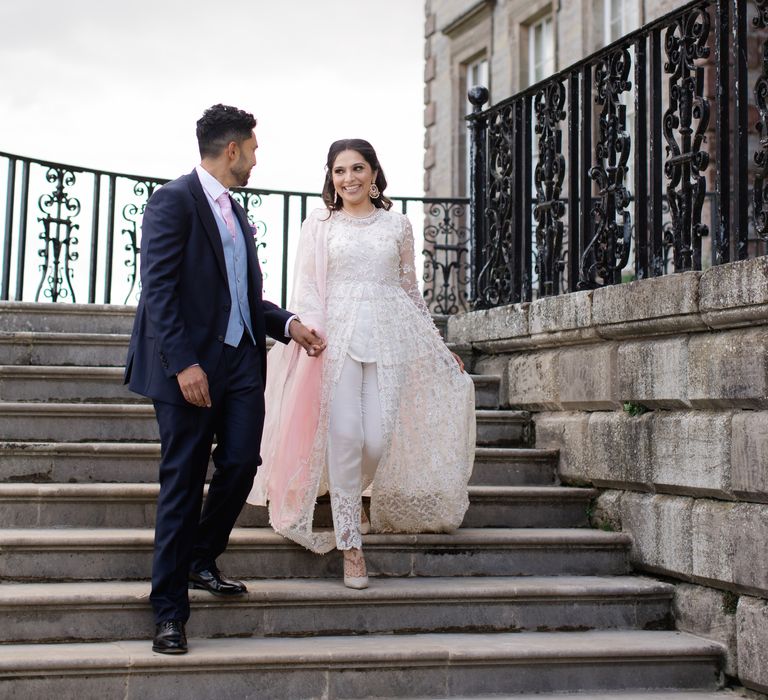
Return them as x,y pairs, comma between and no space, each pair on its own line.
408,280
307,300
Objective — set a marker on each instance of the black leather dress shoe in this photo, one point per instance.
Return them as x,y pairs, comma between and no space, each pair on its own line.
212,581
170,638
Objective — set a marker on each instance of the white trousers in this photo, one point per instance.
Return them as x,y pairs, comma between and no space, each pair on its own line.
355,446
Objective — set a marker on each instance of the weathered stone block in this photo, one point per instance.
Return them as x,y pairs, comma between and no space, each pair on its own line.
640,520
532,380
564,318
673,536
566,432
657,305
735,293
713,541
706,612
654,373
752,639
587,377
692,452
750,536
749,455
501,323
619,450
607,511
729,369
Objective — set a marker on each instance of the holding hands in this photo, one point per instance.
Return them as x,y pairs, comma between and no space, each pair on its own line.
308,338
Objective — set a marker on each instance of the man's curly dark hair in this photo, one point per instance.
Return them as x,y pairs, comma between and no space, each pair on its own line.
221,124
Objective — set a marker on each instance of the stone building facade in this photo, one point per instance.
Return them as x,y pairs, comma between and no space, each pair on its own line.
506,45
654,392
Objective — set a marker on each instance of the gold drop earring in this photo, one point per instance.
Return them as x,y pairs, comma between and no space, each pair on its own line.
373,191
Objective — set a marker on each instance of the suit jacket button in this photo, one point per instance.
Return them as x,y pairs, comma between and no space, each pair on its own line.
221,338
227,307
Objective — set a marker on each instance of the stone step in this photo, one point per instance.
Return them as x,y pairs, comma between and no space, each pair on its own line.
109,611
24,505
486,390
514,466
504,428
69,462
56,384
725,694
68,349
87,384
418,665
79,462
125,554
89,422
76,422
66,318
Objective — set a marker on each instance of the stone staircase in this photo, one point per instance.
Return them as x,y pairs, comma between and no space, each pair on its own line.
523,600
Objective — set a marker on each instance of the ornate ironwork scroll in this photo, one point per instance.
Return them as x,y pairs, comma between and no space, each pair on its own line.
760,190
684,126
607,253
446,258
251,201
132,213
494,285
58,209
548,180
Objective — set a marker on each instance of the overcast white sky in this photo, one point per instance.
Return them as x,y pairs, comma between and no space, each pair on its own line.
119,85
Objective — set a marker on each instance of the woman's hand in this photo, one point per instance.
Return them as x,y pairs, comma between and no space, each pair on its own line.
459,361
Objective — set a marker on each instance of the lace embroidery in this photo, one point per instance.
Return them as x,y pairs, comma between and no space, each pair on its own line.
427,404
346,519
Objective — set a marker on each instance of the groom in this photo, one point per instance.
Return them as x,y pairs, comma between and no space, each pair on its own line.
198,350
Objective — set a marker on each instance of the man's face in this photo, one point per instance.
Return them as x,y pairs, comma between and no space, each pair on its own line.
246,160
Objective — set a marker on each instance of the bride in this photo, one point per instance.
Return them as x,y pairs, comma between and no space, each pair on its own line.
387,406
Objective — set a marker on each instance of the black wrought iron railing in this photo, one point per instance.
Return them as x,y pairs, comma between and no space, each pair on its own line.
639,160
73,234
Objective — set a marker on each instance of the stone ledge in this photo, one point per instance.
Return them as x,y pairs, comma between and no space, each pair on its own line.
730,295
658,305
500,323
735,294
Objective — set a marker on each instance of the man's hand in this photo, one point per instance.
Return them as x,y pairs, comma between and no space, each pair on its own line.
459,361
193,382
308,338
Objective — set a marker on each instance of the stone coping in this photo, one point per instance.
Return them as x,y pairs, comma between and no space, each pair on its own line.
726,296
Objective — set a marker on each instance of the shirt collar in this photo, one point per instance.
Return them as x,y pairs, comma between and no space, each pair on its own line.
210,184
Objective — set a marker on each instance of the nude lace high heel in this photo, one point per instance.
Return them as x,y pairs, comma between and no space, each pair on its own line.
355,571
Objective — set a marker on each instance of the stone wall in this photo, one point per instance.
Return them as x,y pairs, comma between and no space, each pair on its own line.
656,392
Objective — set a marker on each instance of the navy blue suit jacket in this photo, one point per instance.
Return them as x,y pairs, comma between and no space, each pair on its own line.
184,306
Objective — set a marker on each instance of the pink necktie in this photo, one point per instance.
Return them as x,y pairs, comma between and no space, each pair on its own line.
226,212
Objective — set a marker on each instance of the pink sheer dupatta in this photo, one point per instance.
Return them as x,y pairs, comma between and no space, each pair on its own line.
292,393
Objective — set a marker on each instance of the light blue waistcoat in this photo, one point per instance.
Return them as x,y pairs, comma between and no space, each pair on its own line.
236,261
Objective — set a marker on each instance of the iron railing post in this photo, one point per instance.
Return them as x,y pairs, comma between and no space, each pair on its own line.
478,184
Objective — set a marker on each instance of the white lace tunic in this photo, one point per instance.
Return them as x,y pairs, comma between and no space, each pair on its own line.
373,310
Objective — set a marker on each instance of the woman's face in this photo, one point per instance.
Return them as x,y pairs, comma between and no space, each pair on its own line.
352,178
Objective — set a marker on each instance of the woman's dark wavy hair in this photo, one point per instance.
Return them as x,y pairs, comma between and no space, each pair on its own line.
330,198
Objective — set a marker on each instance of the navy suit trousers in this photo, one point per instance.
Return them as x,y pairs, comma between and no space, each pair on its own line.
184,538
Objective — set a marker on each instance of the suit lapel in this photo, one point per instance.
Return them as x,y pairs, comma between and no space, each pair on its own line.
209,223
